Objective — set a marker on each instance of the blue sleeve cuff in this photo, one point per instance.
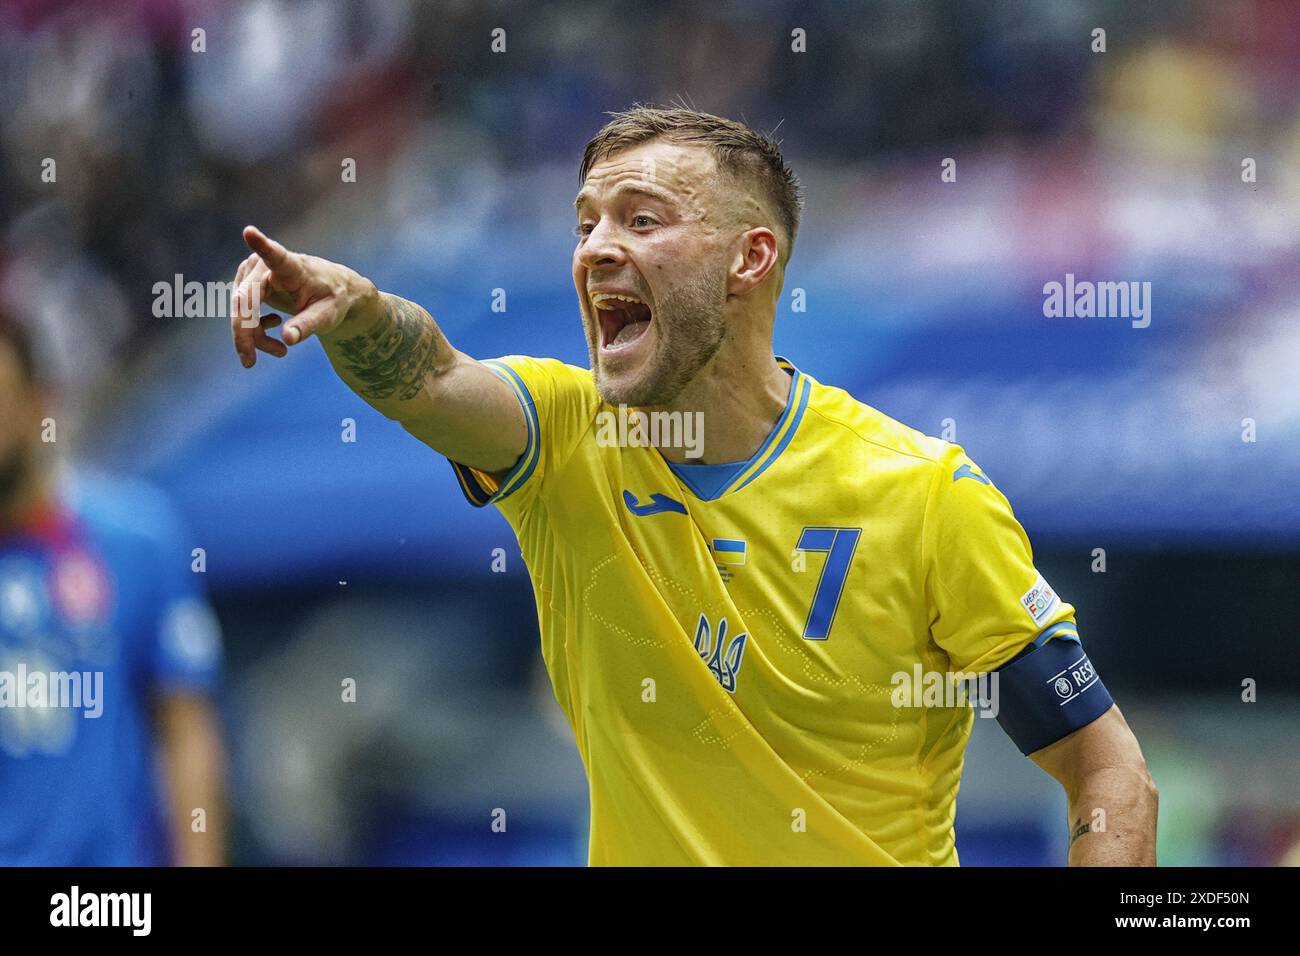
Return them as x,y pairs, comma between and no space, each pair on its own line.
482,489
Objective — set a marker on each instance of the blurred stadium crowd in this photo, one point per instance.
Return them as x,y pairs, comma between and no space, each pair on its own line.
924,300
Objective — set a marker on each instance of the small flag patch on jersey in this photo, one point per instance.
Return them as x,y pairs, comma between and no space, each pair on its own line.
1040,601
728,551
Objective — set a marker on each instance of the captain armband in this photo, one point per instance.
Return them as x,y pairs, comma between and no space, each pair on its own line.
1049,690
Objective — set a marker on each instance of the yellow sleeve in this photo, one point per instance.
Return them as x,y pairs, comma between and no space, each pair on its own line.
986,599
559,403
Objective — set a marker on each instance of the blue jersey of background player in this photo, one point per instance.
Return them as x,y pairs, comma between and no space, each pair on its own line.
109,655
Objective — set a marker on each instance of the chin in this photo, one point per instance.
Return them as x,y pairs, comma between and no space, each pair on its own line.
640,387
618,389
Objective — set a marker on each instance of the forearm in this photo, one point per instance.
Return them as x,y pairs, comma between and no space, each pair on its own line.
195,771
1113,818
386,349
391,353
394,356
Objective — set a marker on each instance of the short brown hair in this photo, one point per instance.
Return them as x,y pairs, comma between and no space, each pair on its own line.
739,150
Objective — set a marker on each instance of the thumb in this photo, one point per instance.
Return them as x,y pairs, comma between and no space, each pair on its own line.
317,317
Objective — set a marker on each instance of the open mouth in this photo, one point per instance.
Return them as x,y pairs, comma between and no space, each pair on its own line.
623,319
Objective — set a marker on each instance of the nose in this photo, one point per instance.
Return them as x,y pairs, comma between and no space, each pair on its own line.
602,248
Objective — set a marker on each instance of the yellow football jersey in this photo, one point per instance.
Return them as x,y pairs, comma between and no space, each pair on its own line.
728,656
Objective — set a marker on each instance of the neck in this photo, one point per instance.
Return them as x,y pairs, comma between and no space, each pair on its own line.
740,395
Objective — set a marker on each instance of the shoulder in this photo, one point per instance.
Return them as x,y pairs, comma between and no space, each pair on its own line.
537,373
120,509
560,400
877,434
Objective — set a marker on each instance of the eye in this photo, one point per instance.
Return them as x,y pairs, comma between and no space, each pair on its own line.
643,221
583,229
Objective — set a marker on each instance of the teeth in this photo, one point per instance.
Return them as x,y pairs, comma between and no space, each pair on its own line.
600,298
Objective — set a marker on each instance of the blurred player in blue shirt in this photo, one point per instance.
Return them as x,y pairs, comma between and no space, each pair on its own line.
110,751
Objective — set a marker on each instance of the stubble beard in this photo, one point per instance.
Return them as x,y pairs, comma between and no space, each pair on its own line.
689,330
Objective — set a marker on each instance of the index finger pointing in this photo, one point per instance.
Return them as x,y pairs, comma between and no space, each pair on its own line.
276,256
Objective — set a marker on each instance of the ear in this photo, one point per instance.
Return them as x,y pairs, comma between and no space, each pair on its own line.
754,257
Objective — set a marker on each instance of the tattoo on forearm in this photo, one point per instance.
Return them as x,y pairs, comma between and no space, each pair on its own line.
396,354
1080,828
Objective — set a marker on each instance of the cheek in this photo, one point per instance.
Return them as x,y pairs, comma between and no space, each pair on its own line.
680,269
580,285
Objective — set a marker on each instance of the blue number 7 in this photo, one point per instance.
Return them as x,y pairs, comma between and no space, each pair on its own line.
838,544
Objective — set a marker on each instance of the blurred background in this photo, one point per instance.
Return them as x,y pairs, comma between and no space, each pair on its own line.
330,559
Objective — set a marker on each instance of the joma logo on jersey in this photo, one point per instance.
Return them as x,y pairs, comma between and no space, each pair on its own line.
723,657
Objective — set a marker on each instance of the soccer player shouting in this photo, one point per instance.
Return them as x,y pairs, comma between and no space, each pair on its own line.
728,635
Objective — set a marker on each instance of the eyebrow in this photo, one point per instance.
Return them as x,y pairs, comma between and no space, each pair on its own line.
643,189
